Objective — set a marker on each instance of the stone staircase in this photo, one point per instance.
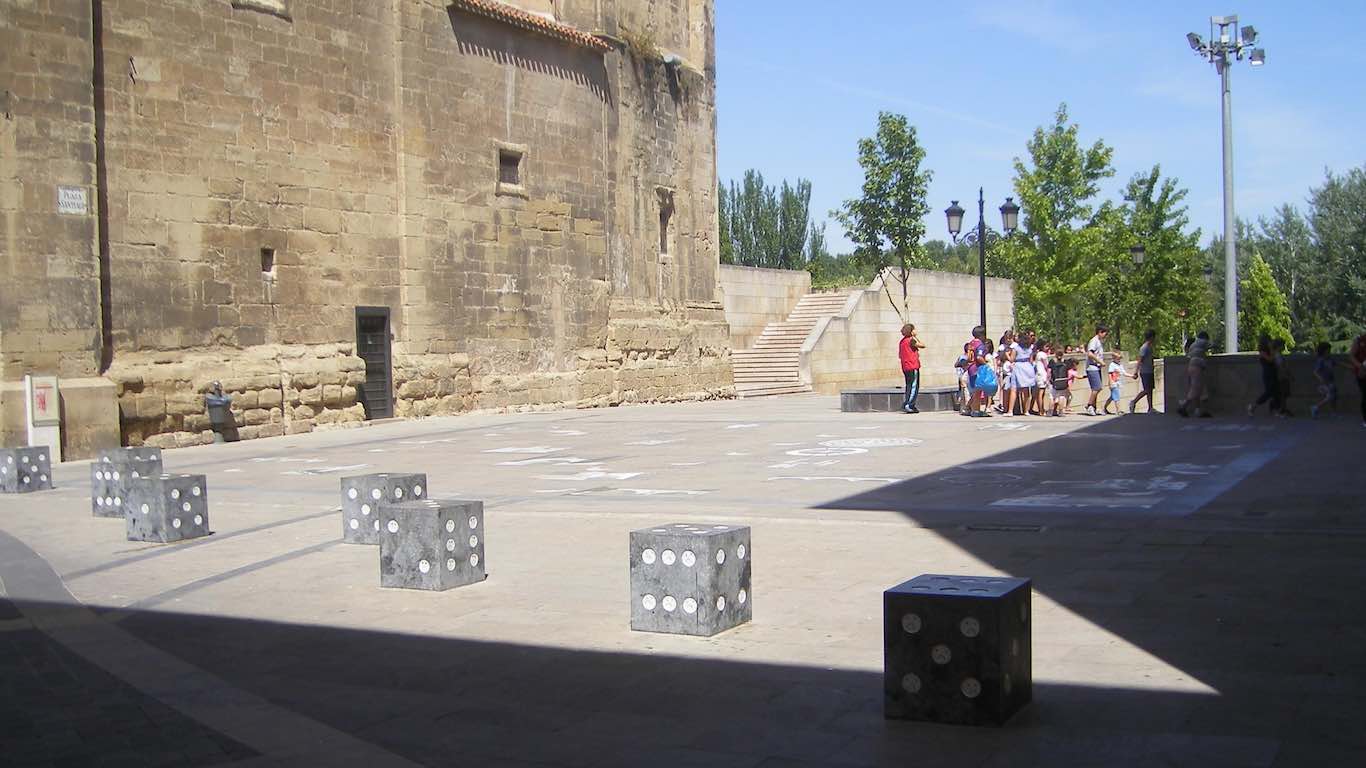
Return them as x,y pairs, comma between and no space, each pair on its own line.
773,365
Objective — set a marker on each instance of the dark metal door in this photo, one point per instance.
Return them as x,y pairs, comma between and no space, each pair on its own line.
372,346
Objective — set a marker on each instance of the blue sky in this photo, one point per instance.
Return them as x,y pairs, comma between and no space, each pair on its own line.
800,81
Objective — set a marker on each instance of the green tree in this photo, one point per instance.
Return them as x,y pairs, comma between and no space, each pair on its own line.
1063,262
1262,309
794,215
1338,218
761,227
1167,292
887,222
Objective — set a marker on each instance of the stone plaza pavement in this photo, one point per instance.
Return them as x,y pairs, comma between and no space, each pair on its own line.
1198,596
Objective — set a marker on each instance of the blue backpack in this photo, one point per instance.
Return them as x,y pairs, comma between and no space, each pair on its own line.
986,380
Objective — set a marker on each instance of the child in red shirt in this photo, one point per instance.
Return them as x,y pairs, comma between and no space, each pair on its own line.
910,366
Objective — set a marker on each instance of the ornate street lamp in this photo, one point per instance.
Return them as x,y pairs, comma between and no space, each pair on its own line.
1010,220
1138,253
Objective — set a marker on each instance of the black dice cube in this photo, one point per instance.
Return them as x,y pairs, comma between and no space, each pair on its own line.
363,494
690,579
167,508
956,649
434,544
113,470
24,470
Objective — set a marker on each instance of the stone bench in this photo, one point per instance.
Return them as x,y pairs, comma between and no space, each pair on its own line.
890,399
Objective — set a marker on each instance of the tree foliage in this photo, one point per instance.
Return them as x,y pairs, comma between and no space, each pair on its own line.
762,226
1262,308
887,222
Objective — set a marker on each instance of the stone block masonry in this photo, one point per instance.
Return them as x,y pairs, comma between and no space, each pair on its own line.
254,176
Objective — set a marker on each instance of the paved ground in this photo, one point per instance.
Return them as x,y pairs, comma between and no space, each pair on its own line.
1198,596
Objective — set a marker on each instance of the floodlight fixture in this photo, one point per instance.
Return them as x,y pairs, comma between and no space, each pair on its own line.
1258,57
1249,34
1195,41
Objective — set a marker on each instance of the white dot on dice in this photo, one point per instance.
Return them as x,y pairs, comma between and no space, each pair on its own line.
648,557
424,566
689,605
971,688
648,602
669,603
393,526
941,654
910,683
668,557
689,559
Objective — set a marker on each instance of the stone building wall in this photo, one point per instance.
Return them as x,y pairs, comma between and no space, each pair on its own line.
270,165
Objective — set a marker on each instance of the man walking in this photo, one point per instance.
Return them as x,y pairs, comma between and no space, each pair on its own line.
1095,359
910,366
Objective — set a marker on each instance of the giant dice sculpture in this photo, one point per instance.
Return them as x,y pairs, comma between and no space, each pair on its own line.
167,508
956,649
24,470
363,494
114,471
690,579
435,544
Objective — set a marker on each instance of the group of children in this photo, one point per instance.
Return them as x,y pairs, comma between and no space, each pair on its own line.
1035,378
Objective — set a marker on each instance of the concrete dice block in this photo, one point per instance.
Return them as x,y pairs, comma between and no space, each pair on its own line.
434,544
362,496
956,649
24,470
166,508
113,471
690,579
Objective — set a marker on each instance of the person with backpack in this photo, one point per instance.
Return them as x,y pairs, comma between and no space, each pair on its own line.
1060,373
978,357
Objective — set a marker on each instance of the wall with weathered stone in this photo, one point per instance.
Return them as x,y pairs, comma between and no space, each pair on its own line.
858,347
358,144
755,297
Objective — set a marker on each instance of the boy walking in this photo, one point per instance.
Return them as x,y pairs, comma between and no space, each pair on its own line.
910,366
1095,358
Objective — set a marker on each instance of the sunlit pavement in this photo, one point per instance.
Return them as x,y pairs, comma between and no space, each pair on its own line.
1197,595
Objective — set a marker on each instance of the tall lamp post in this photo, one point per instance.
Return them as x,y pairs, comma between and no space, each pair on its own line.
1228,43
1010,221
